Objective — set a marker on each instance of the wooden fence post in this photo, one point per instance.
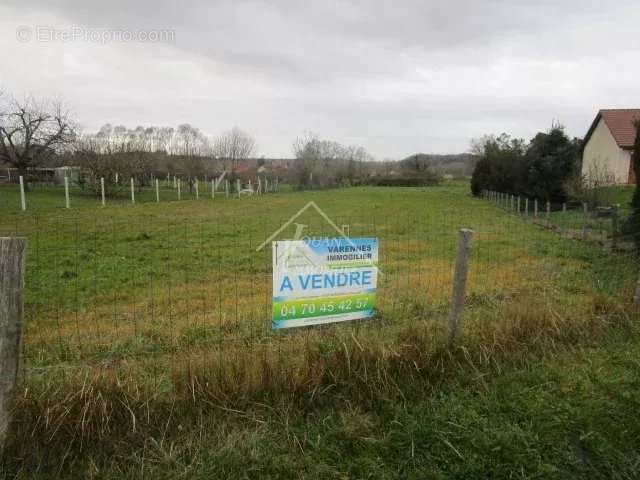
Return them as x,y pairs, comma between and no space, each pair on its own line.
179,193
157,191
102,191
133,191
226,188
197,192
66,191
465,242
23,200
12,265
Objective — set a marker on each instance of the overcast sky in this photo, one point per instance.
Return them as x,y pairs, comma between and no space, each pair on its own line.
396,77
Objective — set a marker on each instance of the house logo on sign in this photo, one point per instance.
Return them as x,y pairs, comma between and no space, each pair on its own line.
300,226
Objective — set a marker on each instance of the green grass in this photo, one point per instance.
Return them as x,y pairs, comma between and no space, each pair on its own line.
148,349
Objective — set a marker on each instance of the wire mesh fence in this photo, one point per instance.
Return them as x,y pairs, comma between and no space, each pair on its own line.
602,224
144,293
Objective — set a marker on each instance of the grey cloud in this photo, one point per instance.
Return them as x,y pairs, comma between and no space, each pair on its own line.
396,76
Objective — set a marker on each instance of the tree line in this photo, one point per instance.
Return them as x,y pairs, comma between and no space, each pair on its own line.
542,168
42,133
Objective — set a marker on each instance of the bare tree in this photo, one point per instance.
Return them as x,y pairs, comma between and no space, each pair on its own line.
192,145
100,158
32,131
233,146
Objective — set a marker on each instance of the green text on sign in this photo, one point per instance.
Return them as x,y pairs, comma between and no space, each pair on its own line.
323,306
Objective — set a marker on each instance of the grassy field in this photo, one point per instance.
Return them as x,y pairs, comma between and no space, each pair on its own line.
149,352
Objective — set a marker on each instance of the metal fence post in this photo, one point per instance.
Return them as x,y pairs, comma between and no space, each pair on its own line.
12,266
465,242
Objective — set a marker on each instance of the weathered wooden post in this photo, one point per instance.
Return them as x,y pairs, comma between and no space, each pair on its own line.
66,191
179,192
226,188
197,192
133,191
12,266
238,187
157,191
518,204
465,242
23,199
526,207
102,191
535,208
213,188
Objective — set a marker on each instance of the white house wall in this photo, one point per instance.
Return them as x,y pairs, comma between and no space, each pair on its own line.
602,153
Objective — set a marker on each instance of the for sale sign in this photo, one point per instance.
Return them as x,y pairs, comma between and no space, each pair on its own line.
318,281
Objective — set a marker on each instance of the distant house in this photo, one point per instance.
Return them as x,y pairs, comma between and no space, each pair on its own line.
608,145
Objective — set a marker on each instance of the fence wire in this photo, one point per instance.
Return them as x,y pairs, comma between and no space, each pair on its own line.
143,292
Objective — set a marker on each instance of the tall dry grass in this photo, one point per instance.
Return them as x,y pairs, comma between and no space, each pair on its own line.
109,407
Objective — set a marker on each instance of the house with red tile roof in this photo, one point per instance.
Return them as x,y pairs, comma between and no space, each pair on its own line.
608,145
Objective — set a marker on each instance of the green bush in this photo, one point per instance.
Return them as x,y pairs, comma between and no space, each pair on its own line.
540,169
